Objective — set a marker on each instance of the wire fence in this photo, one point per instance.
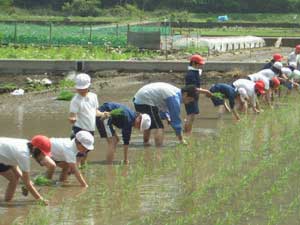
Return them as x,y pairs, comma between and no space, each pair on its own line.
63,34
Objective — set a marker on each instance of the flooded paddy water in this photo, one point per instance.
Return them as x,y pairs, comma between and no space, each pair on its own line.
25,116
210,181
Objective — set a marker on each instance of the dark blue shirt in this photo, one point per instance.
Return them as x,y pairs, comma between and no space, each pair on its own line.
124,122
268,65
193,77
227,90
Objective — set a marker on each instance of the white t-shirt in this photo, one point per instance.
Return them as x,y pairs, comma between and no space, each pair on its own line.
268,73
155,94
250,88
15,152
63,149
85,110
292,57
258,76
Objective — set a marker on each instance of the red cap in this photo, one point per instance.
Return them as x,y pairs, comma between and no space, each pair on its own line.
297,47
43,143
277,57
260,87
197,59
276,82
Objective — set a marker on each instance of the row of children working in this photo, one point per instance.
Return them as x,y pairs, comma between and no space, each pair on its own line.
153,103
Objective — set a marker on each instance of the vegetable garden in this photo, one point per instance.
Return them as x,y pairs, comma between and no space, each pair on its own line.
61,34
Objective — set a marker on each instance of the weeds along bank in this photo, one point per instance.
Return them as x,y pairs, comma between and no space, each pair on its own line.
248,173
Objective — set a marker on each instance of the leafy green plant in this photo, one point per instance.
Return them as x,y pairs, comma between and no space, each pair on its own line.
218,95
65,95
66,83
117,113
42,180
7,87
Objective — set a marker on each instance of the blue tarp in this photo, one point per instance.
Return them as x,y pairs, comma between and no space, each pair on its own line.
222,18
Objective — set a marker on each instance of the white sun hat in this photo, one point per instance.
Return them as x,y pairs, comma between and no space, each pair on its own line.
278,65
86,139
83,81
145,122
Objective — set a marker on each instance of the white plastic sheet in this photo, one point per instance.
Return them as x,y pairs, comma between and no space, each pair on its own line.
217,44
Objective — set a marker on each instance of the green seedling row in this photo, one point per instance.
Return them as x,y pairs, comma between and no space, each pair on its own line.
210,181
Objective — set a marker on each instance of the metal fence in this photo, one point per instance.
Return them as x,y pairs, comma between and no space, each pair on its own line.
64,34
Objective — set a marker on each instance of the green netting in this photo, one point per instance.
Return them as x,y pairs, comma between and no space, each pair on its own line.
114,35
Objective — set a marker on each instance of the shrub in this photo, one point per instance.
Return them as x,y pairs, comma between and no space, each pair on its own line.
126,11
82,8
180,17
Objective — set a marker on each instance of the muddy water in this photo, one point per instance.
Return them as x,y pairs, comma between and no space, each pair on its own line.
26,116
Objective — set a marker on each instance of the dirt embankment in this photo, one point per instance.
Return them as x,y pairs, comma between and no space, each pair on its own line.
109,78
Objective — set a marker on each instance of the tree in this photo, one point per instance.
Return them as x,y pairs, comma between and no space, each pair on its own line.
82,7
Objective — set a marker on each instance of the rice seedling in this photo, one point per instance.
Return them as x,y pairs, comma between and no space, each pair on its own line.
117,113
218,95
41,180
214,180
65,95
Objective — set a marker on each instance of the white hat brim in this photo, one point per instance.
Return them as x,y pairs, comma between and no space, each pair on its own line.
82,87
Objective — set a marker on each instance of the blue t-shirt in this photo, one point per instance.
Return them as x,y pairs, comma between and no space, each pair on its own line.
227,90
192,77
124,122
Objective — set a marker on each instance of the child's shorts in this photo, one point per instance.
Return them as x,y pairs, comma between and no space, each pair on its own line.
192,107
153,112
288,85
4,168
105,128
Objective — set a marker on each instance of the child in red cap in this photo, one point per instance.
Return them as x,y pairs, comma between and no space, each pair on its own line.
193,78
15,162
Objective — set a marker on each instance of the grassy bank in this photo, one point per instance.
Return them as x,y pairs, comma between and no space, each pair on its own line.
74,52
247,17
157,15
241,31
248,173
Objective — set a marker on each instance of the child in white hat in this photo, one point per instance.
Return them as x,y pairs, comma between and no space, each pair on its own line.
83,109
64,153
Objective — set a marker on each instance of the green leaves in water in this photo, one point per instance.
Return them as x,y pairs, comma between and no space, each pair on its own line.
41,180
65,95
218,95
117,112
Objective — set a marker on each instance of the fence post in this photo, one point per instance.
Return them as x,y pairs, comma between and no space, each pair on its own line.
117,30
128,30
166,40
50,33
15,34
90,38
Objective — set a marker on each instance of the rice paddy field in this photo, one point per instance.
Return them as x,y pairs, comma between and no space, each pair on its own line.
233,173
229,173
